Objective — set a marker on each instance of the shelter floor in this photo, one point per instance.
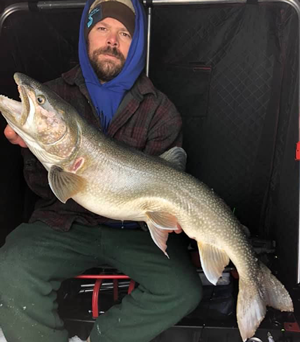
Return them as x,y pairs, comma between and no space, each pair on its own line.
213,320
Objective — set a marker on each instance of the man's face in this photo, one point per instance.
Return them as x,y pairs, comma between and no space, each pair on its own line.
108,45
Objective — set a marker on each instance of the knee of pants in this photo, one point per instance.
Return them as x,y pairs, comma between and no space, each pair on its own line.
14,267
187,295
191,296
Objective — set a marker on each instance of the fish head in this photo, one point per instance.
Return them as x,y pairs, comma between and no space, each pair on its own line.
43,119
43,115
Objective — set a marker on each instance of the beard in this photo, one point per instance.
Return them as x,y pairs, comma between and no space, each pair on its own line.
108,69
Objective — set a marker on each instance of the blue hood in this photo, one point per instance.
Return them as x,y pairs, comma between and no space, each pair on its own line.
107,97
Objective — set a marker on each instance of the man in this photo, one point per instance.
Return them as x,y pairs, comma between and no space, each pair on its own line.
63,240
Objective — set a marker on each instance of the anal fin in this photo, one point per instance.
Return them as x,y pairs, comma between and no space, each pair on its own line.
213,261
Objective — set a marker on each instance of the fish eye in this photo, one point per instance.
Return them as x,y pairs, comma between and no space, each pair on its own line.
41,99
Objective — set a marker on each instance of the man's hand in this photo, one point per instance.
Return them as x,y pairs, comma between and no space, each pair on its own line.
177,231
13,137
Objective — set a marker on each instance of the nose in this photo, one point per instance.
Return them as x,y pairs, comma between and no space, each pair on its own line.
112,39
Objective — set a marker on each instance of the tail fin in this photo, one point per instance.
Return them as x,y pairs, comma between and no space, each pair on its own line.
275,293
251,308
253,298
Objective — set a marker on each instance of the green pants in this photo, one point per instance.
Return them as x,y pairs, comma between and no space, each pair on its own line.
36,259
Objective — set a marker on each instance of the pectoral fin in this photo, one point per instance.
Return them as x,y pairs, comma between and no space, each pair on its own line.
64,184
158,223
213,261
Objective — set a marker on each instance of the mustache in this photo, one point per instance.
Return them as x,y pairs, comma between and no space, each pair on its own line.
110,51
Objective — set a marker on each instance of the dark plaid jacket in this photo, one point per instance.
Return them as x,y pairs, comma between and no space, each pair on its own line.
146,120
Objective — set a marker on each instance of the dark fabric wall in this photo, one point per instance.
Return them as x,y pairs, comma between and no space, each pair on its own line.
232,71
282,207
42,45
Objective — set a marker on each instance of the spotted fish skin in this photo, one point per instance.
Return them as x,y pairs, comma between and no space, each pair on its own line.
118,182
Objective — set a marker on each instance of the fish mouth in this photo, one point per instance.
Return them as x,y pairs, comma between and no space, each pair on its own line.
11,109
26,88
25,103
15,112
24,95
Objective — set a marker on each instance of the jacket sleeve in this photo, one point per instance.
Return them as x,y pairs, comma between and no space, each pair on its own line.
165,130
36,175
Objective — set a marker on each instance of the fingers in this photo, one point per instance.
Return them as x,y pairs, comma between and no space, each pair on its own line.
13,137
177,231
10,133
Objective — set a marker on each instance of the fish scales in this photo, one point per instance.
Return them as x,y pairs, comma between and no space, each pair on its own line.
139,183
133,175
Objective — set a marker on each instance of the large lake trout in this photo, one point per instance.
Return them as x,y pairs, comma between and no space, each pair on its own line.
117,182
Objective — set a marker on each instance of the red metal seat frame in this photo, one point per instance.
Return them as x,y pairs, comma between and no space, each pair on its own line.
99,279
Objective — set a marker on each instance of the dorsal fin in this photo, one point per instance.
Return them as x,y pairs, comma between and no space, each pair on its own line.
176,156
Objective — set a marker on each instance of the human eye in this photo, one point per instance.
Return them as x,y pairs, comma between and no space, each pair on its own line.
101,28
125,34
